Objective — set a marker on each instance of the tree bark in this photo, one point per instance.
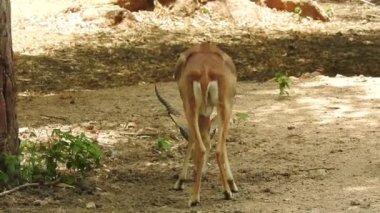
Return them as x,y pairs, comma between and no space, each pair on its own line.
9,142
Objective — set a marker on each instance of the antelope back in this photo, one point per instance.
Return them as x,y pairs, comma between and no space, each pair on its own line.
203,48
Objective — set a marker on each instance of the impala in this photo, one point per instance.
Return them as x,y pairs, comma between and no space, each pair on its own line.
206,78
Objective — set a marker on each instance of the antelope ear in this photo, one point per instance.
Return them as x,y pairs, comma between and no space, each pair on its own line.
180,65
228,62
181,62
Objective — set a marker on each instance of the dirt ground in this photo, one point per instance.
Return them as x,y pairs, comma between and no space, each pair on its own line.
313,151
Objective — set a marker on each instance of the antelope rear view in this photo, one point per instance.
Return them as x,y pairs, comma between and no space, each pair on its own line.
206,78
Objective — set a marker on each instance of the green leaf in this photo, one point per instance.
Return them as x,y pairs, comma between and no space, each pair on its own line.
298,10
283,81
163,144
242,116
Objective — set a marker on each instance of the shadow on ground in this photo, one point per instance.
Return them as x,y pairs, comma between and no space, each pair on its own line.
258,57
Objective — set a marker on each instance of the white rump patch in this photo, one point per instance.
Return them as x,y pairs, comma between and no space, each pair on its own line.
197,93
207,103
212,92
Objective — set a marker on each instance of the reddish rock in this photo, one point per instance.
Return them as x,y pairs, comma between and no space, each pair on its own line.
136,5
309,8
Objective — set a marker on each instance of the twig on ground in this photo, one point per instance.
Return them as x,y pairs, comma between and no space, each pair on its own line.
316,168
373,5
368,2
54,117
28,185
140,134
18,188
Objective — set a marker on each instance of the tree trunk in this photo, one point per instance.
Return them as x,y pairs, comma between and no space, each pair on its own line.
9,141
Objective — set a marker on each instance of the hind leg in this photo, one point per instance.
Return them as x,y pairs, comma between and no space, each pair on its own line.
179,184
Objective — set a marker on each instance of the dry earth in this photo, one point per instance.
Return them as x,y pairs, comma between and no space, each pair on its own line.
314,151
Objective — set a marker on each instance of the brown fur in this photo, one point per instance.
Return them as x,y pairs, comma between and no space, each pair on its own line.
203,64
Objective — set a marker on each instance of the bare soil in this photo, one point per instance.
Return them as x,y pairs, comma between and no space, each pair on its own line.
313,151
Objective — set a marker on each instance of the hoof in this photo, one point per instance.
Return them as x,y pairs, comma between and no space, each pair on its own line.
233,186
178,184
205,170
204,178
193,203
228,195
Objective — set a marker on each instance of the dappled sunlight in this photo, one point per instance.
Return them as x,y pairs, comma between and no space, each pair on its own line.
344,103
373,90
348,101
273,91
330,109
104,116
314,103
106,134
369,90
338,81
362,188
372,184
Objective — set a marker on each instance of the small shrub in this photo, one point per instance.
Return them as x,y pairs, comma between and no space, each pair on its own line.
65,155
241,116
163,144
330,11
77,152
283,82
9,174
32,160
297,13
205,11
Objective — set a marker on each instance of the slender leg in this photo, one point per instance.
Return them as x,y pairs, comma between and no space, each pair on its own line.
199,155
221,153
230,178
183,175
204,127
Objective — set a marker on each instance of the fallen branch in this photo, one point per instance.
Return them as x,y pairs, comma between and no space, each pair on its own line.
368,2
139,134
316,168
6,192
53,117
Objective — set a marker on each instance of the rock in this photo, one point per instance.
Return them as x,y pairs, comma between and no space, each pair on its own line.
41,202
355,203
90,14
131,125
309,8
110,125
91,205
136,5
364,203
318,174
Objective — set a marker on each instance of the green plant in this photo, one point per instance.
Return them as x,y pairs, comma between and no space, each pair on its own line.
205,11
330,11
77,152
283,82
33,163
9,173
297,12
64,156
241,116
163,144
